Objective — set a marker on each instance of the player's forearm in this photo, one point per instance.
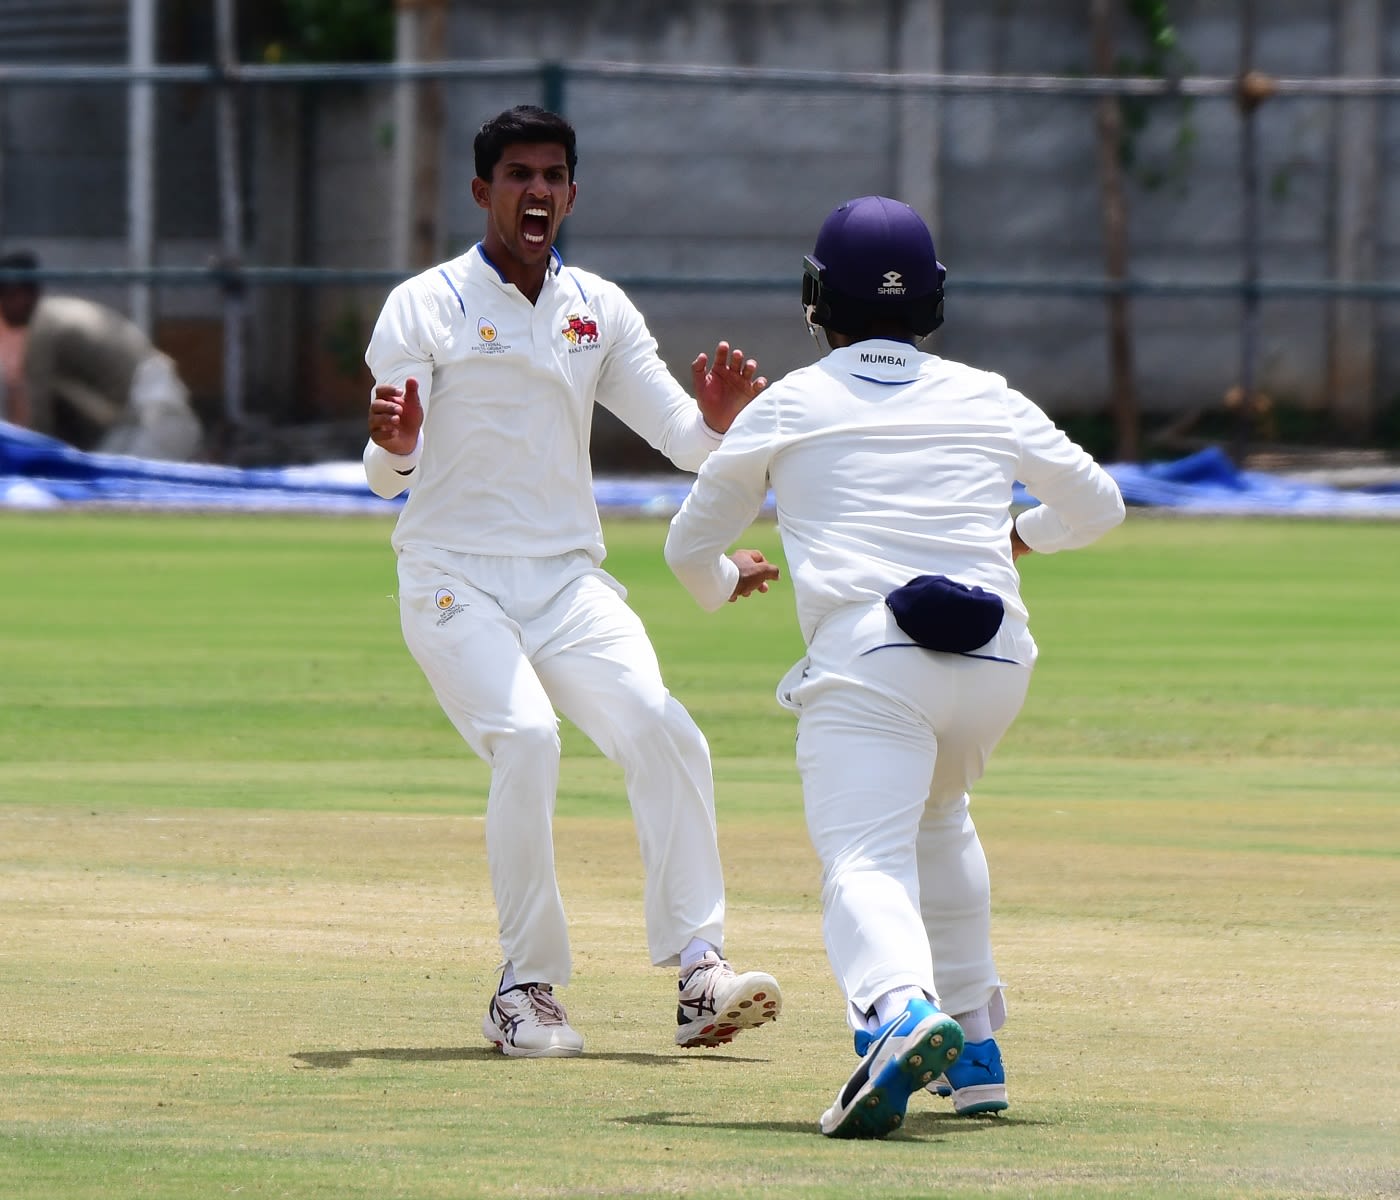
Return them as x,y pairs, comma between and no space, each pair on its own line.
701,565
710,577
689,441
1073,516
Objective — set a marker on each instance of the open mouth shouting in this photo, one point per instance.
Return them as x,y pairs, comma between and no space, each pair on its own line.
534,226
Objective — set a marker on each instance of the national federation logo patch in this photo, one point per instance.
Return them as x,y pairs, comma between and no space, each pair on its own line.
488,337
447,604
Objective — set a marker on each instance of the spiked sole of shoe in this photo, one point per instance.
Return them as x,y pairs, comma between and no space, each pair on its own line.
879,1110
749,1009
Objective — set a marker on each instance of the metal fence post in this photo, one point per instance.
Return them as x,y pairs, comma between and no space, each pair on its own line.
230,211
1253,89
141,158
1351,373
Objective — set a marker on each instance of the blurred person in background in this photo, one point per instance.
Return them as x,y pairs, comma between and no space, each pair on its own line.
81,372
893,473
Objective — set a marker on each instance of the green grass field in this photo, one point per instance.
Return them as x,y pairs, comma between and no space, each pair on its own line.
246,935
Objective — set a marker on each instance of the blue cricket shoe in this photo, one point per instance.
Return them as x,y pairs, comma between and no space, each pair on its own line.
976,1082
899,1058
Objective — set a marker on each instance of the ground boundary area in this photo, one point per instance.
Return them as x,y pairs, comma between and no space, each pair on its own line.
38,472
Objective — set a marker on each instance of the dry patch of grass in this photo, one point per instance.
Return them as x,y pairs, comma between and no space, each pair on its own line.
288,1004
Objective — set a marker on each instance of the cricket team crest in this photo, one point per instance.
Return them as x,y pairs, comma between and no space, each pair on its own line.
581,331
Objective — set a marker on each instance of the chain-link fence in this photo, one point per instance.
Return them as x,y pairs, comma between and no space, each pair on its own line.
1225,259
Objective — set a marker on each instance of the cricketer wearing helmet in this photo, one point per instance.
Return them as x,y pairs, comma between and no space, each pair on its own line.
892,470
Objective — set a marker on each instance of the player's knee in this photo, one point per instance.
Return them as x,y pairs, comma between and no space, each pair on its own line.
648,723
670,720
526,746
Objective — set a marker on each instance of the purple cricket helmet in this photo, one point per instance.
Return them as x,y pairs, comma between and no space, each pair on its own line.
874,260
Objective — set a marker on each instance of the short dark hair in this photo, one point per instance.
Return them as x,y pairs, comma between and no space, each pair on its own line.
523,123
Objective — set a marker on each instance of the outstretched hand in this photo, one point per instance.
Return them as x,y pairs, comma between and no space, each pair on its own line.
755,573
395,417
722,389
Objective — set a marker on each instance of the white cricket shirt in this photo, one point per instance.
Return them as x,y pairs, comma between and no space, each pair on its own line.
886,463
508,389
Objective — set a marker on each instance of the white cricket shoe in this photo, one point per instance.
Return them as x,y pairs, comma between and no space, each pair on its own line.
715,1003
528,1022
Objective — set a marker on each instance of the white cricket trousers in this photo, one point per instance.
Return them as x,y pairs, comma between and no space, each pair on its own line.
504,642
890,741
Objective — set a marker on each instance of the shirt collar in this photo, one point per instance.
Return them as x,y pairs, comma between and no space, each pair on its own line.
556,262
880,360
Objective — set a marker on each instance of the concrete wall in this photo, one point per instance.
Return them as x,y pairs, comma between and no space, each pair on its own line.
723,182
695,179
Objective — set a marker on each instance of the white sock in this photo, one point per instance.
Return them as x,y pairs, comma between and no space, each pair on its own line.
893,1002
976,1025
507,978
695,950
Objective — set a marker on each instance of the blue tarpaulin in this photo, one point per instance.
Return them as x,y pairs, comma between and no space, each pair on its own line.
38,472
1209,482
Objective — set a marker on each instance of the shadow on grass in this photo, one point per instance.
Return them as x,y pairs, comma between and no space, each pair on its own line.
950,1122
336,1060
920,1127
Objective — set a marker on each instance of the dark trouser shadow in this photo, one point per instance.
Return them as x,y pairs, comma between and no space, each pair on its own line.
335,1060
918,1127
